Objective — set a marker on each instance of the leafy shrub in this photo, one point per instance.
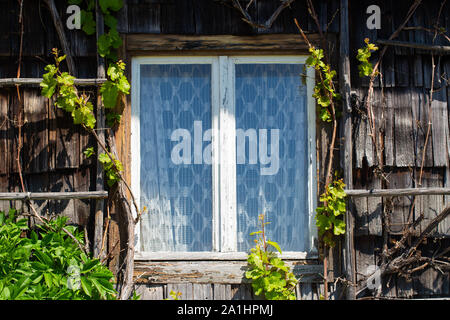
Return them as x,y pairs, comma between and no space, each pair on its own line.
271,278
46,264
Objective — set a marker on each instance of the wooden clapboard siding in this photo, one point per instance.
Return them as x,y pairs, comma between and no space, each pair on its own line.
217,291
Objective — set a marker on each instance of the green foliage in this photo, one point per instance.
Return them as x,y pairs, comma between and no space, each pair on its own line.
365,67
329,217
112,167
174,295
324,90
67,97
46,264
81,109
271,278
115,85
89,152
109,41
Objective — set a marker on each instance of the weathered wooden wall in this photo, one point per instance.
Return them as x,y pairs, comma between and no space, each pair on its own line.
400,105
52,154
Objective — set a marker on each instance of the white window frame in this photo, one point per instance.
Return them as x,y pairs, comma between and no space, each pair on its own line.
224,219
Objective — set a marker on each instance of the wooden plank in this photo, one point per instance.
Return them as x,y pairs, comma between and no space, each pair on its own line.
221,291
360,206
35,136
5,134
365,259
147,42
83,207
241,292
67,142
403,132
225,272
40,183
402,71
359,134
202,291
417,71
184,23
398,192
440,127
374,207
401,205
186,290
53,195
11,82
62,182
144,18
150,292
420,126
389,128
306,291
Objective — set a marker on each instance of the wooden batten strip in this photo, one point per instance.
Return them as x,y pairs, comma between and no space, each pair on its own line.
150,42
398,192
53,195
8,82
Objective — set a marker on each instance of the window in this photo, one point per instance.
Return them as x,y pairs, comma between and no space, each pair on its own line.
215,142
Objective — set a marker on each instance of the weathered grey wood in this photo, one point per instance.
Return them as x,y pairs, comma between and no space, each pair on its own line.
403,134
202,291
53,195
405,44
150,292
222,272
365,259
221,291
401,214
439,127
10,82
100,116
306,291
374,208
186,290
397,192
389,128
420,124
241,292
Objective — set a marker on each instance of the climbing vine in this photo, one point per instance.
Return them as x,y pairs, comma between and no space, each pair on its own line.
271,277
365,67
61,85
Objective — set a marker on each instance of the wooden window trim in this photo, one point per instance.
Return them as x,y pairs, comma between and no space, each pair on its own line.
142,44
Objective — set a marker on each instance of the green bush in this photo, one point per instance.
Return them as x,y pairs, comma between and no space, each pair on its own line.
46,264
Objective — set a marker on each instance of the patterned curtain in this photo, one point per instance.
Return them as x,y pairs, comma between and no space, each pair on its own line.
178,196
272,97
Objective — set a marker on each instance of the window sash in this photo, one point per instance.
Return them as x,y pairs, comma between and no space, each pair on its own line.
224,218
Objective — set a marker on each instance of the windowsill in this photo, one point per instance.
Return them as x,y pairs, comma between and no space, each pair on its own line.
214,256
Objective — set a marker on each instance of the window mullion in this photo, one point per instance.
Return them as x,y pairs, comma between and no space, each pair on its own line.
227,156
